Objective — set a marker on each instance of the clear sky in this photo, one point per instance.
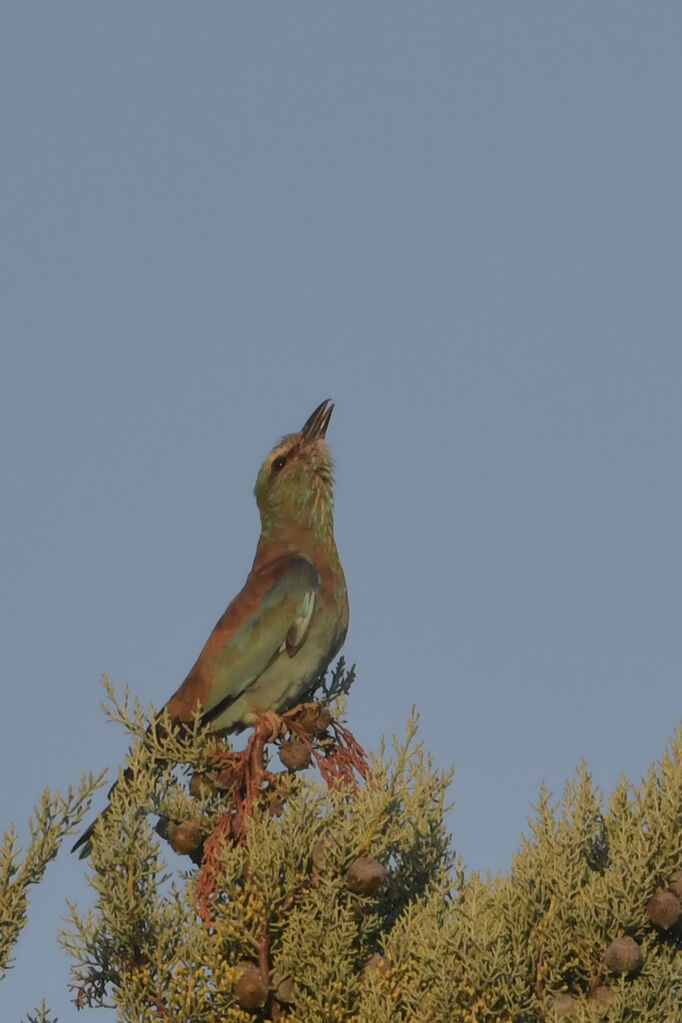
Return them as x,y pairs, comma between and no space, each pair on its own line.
462,222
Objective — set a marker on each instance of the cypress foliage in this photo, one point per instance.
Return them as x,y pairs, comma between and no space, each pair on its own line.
286,914
54,817
329,897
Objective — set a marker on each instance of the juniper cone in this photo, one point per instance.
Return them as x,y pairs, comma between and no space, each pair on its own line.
281,631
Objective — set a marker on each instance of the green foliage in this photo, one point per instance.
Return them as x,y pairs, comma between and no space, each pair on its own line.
41,1015
530,946
344,903
283,900
54,817
430,944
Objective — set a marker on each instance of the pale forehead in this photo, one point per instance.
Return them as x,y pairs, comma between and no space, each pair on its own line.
287,443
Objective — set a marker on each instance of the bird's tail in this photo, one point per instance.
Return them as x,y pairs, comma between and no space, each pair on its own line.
84,843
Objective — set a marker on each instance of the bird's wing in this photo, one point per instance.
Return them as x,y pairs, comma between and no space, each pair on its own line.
271,615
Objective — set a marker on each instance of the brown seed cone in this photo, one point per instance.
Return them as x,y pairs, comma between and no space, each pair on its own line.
202,785
664,909
624,955
250,989
365,875
185,838
307,717
324,719
294,755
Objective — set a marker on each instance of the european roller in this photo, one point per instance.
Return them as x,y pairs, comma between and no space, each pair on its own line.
290,619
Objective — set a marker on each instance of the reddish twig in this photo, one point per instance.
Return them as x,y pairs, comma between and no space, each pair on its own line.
538,974
339,760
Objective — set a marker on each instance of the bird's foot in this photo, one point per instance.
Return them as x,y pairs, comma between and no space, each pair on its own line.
268,728
329,744
244,771
270,725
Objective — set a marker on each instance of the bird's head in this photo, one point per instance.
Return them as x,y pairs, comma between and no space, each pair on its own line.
295,483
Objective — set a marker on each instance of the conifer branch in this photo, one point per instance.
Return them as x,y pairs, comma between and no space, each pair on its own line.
54,817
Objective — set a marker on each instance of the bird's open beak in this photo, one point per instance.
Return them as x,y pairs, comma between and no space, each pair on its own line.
316,425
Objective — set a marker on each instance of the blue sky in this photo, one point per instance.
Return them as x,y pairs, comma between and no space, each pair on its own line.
459,221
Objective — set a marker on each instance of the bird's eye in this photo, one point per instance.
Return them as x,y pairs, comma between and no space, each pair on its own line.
279,463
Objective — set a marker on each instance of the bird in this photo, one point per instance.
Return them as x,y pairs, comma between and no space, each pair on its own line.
290,619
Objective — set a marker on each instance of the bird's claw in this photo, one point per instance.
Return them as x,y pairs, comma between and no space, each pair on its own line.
270,726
